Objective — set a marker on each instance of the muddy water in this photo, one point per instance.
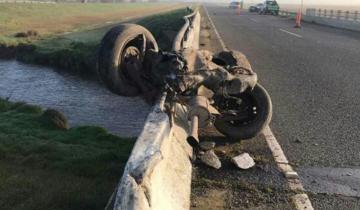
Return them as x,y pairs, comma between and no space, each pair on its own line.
84,102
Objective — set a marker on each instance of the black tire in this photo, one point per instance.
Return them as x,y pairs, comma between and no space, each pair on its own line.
113,46
255,126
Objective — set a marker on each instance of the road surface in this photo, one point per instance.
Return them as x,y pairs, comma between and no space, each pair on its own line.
312,75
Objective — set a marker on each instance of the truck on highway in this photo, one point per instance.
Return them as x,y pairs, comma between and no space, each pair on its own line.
269,7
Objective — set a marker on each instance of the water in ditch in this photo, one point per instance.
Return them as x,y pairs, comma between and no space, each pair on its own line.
84,102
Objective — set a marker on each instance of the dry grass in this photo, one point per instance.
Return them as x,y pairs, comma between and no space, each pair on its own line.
49,19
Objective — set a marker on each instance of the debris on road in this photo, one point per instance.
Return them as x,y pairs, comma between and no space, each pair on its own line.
211,159
243,161
291,175
207,145
298,140
221,150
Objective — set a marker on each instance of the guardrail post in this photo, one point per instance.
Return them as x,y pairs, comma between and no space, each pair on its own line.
319,13
347,15
331,13
325,12
338,16
311,12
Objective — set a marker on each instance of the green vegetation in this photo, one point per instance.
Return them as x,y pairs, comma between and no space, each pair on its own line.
76,50
43,163
44,166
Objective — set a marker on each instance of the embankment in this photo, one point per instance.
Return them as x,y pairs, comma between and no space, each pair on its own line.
47,165
76,51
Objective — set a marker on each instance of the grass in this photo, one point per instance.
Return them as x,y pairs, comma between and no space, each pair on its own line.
76,50
44,167
165,27
48,19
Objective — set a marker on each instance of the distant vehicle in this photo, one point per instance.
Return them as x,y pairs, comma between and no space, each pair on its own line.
235,5
269,7
256,8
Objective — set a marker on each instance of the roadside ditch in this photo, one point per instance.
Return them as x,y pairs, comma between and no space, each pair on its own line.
49,167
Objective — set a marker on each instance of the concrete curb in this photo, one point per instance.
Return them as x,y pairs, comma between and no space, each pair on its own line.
157,175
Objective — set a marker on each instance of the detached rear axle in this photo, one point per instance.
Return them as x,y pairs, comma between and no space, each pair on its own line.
131,64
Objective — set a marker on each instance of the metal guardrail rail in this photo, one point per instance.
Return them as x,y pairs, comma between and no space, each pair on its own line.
333,18
325,13
334,14
287,13
183,39
157,175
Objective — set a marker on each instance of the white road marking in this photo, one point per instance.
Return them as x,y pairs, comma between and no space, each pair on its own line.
291,33
216,31
300,200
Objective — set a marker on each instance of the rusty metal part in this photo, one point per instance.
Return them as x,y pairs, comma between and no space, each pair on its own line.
193,138
135,71
199,106
199,115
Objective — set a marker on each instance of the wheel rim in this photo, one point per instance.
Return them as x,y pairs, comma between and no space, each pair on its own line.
131,53
239,110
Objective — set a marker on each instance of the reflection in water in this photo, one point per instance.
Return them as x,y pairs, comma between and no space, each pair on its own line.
84,102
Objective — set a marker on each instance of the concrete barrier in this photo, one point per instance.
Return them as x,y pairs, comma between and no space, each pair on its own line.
157,175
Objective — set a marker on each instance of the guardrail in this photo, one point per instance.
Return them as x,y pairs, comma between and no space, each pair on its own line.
334,18
334,14
287,13
184,38
157,175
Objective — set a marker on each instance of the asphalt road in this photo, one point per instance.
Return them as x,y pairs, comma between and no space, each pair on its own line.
312,75
313,78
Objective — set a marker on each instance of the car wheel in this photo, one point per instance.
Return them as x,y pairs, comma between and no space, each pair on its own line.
255,112
117,46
